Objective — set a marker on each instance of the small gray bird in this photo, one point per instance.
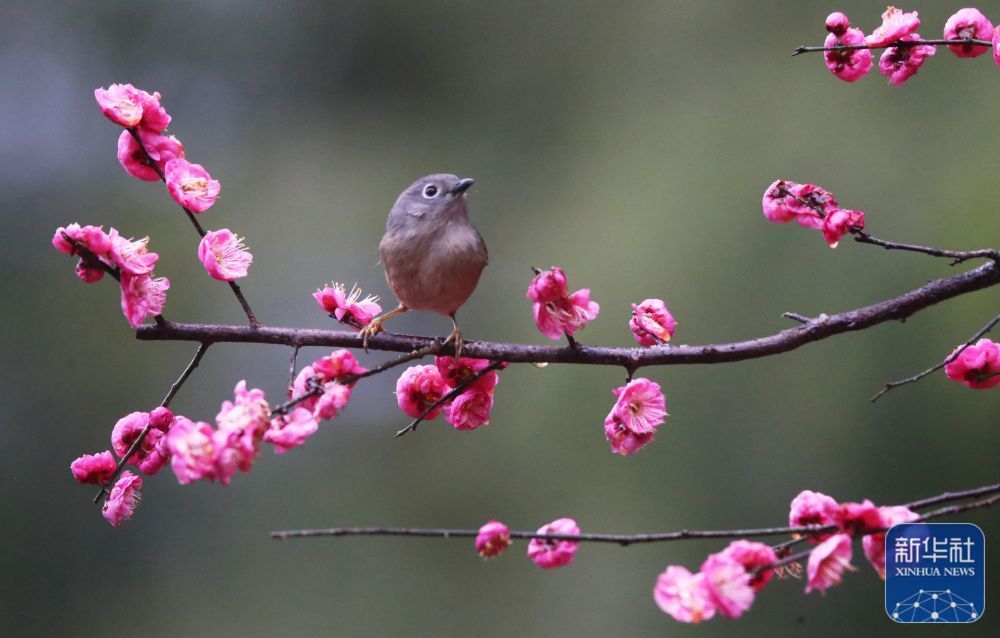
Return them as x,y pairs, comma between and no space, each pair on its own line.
432,253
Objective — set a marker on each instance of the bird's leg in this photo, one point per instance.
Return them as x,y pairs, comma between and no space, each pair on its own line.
456,336
375,325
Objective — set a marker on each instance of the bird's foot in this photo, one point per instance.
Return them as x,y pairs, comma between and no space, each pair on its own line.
373,328
456,336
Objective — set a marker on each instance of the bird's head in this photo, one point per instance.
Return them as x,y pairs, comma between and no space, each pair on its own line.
435,198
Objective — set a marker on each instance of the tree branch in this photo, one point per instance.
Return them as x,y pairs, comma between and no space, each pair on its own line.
624,540
815,329
954,355
897,43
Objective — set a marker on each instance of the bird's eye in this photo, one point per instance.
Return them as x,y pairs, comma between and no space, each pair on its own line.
430,191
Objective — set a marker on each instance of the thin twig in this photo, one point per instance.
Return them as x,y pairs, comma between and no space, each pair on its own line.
171,393
895,308
806,532
897,43
251,317
459,389
292,365
420,353
957,256
954,355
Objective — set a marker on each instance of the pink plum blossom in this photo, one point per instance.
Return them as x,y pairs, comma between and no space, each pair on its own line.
638,411
837,23
94,468
92,238
190,185
143,164
895,25
548,553
874,544
418,388
640,406
493,539
857,518
785,201
996,44
289,431
327,381
338,365
470,409
972,24
977,366
455,371
233,450
753,555
132,256
839,222
120,103
827,563
247,412
88,273
900,63
557,312
651,323
128,106
812,508
728,584
334,398
224,256
148,456
683,595
123,500
142,296
347,308
192,450
849,65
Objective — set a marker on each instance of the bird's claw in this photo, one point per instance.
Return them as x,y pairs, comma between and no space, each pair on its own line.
456,336
373,328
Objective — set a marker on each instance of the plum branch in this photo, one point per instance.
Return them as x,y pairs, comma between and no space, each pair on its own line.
992,492
812,329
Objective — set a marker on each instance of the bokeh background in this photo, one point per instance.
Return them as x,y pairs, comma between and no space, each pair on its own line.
628,142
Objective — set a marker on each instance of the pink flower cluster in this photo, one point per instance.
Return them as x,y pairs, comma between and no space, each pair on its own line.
347,307
556,311
729,580
420,387
548,553
145,153
142,294
98,468
198,451
812,207
322,390
651,323
727,583
977,366
639,409
832,554
899,63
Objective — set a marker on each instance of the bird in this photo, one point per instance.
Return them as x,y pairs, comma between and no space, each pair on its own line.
432,254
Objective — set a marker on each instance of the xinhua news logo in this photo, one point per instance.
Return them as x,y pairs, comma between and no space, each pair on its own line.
935,573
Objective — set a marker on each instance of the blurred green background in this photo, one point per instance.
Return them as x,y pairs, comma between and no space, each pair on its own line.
627,142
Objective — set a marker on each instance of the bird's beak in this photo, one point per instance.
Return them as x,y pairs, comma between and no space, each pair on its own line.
462,186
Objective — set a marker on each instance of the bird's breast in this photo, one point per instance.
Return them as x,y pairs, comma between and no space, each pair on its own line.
434,271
